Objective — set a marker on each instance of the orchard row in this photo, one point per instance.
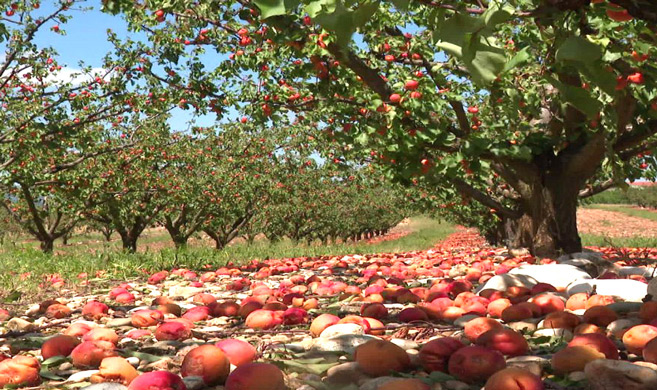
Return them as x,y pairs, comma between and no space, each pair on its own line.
226,183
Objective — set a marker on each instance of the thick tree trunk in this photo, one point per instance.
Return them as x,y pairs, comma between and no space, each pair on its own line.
548,225
129,242
47,244
178,238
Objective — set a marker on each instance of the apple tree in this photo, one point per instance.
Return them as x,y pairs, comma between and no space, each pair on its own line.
54,117
553,99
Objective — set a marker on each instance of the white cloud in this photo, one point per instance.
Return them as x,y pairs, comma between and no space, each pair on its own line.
76,76
66,74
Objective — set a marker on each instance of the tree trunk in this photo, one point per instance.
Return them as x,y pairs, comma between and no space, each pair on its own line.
129,242
178,238
107,234
548,225
47,244
180,241
219,244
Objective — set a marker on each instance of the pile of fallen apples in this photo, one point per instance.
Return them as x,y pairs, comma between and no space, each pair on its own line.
459,316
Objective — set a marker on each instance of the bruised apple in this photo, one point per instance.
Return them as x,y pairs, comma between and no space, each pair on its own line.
94,310
157,380
575,358
91,353
60,345
146,318
173,330
380,357
514,378
208,362
478,326
115,369
237,351
637,337
507,341
264,319
597,341
322,322
475,363
104,334
435,354
20,370
256,376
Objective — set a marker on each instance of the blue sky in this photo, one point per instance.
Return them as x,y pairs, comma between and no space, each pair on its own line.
86,41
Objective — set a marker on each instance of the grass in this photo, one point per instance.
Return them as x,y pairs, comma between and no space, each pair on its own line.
24,267
630,242
627,210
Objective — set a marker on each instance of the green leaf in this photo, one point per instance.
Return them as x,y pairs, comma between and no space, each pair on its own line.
495,15
54,360
269,8
580,50
13,296
49,375
453,31
364,13
486,65
579,98
519,59
362,139
605,80
438,376
309,366
460,37
343,21
142,355
314,8
401,5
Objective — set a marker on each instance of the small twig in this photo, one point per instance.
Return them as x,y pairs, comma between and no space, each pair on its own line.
18,333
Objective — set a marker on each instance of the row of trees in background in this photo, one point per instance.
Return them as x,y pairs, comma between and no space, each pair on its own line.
95,149
502,114
226,183
643,196
518,108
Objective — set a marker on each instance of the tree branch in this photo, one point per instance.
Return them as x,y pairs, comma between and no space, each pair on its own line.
484,199
596,189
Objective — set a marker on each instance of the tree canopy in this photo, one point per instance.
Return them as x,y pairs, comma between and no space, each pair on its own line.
521,106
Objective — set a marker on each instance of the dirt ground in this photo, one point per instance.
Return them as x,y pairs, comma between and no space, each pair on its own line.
614,224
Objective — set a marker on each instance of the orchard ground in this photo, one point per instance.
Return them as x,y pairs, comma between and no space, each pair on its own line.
89,257
321,317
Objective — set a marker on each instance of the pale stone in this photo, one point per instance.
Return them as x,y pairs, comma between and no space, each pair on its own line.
105,386
345,373
119,322
605,374
19,325
194,382
623,289
82,375
341,329
558,275
184,291
346,343
504,281
405,344
373,384
533,364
